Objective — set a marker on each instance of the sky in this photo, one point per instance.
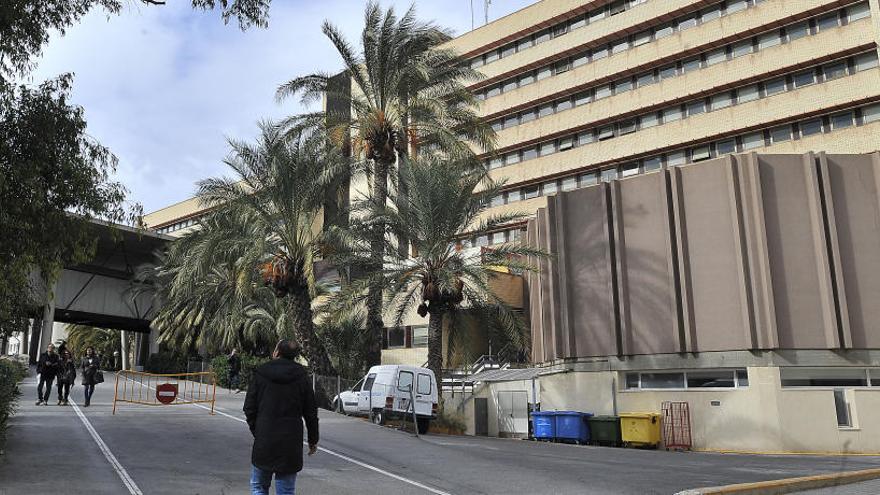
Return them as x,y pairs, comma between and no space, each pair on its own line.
165,86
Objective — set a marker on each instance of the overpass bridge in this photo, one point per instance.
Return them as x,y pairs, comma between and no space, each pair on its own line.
97,293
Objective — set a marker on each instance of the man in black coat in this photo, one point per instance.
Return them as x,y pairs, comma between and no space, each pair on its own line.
47,366
278,399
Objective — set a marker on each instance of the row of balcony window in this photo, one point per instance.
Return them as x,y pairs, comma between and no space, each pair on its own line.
174,227
560,29
736,144
775,37
669,71
765,89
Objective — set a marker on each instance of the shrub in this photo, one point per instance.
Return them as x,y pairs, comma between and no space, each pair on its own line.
449,422
220,366
11,372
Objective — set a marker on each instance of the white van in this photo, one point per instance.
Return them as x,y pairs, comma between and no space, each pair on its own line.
385,393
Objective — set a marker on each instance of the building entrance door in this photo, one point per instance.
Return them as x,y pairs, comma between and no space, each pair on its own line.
513,414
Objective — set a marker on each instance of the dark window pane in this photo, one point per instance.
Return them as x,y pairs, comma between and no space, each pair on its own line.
828,21
774,87
632,380
835,70
662,380
811,127
696,107
804,79
841,407
710,379
841,120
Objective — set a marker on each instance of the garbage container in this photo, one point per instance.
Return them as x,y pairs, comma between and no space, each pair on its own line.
572,426
605,430
640,429
544,425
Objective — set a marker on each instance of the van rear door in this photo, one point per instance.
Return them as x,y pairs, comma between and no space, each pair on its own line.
424,394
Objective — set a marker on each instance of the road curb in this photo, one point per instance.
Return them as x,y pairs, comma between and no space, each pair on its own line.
789,485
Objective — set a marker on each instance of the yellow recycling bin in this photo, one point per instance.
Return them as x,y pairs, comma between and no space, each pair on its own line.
640,429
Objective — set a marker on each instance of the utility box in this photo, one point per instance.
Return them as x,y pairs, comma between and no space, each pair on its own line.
640,429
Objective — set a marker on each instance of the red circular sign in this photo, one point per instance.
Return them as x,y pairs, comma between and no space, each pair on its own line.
166,393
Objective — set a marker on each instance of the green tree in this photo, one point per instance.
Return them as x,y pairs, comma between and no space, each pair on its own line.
408,93
54,179
445,199
278,188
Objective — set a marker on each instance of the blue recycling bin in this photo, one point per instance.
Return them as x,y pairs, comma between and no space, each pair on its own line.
573,426
544,425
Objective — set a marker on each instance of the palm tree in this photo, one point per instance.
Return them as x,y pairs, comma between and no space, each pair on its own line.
446,198
407,93
105,341
207,293
277,191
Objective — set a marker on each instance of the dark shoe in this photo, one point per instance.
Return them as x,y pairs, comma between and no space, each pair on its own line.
38,403
64,403
59,402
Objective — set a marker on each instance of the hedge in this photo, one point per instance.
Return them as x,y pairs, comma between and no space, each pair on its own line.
166,362
220,366
11,372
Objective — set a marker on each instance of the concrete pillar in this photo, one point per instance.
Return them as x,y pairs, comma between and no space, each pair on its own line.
25,339
126,364
48,319
33,348
142,344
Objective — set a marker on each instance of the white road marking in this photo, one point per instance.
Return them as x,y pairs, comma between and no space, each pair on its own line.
117,466
337,454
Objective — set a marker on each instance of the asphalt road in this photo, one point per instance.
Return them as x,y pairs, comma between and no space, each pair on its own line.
184,450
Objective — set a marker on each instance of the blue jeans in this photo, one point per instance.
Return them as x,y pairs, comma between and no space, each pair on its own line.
89,390
285,484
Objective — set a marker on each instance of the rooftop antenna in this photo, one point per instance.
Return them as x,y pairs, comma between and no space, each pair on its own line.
472,15
486,9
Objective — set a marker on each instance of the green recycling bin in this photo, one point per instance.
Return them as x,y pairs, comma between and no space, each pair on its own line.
605,430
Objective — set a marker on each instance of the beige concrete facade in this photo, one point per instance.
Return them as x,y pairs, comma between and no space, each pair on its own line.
698,53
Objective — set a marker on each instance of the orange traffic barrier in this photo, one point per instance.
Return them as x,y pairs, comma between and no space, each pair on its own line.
165,389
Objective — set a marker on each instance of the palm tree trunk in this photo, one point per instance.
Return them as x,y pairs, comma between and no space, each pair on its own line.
375,324
435,345
299,306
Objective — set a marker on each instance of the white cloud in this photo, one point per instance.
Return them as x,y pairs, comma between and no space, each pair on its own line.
163,87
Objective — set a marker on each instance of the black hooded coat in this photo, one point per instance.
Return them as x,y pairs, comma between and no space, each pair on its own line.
278,399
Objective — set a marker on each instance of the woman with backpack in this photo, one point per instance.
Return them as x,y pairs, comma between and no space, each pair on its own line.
91,374
66,377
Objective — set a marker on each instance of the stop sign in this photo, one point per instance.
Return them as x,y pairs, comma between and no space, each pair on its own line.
166,393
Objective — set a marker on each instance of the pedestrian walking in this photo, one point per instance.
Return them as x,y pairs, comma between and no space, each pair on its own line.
47,367
278,396
91,375
234,371
66,377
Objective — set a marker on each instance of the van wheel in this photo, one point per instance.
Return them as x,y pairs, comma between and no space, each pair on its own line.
378,417
423,424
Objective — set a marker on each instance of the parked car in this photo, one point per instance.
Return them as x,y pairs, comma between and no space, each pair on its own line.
386,392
